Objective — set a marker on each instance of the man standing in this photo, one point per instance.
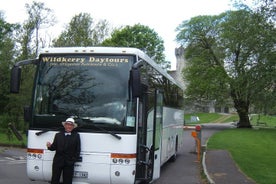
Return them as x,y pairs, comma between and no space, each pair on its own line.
67,146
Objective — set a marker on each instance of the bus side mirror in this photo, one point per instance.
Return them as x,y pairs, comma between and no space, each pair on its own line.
136,86
15,79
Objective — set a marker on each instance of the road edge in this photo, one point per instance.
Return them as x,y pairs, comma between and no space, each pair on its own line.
205,169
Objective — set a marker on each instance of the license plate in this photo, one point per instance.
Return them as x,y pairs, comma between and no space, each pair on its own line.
80,174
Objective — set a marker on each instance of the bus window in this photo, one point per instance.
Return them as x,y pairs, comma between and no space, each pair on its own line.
73,85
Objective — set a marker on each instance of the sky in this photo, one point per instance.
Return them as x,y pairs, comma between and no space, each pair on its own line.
163,16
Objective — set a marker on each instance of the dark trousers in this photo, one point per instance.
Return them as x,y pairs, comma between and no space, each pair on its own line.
67,174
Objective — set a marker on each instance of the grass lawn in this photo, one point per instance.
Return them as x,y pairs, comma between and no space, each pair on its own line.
12,140
211,118
254,150
270,121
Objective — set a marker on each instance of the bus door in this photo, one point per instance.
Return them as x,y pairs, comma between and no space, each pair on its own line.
144,168
149,138
157,135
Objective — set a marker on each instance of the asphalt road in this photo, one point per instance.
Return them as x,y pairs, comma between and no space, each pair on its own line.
186,169
13,167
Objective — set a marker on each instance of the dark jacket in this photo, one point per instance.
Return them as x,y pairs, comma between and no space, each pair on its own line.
67,148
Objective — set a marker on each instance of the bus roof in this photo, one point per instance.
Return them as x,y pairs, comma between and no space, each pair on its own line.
113,50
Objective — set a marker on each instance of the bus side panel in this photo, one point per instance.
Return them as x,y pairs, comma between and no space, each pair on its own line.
173,121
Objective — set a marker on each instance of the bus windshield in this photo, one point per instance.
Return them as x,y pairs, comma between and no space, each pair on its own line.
93,88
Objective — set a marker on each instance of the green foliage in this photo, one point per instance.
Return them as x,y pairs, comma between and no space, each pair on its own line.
20,43
5,120
38,16
5,63
230,55
253,150
204,59
7,45
18,101
27,41
264,7
83,31
141,37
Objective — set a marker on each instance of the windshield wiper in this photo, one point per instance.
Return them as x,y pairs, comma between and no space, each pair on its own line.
47,130
100,128
54,113
103,120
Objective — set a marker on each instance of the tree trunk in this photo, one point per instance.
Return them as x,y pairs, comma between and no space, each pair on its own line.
242,107
244,121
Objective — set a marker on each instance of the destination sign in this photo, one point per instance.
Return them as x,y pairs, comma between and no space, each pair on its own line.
85,60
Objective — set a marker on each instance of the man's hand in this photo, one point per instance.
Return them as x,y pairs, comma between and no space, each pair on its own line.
48,144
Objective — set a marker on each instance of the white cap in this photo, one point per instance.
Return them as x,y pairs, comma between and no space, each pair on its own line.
71,121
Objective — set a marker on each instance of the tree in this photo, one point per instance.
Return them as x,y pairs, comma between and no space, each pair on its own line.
83,31
7,55
39,16
7,45
265,7
27,47
141,37
264,102
230,55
